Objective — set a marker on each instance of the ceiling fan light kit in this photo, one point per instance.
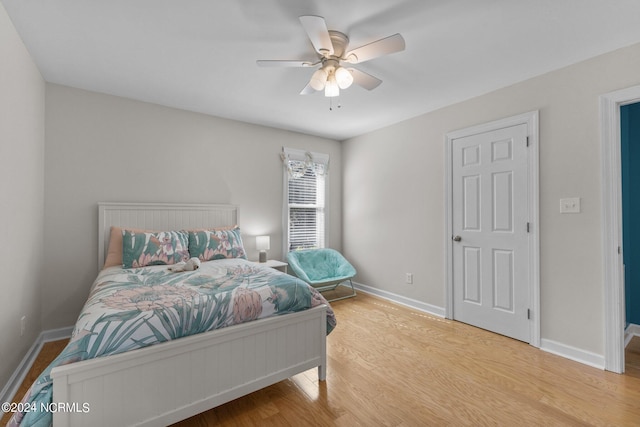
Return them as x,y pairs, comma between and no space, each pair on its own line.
318,79
331,77
331,48
331,89
343,77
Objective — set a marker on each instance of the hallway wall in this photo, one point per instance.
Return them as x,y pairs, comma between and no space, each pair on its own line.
630,147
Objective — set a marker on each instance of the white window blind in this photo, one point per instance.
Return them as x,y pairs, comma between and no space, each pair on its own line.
305,198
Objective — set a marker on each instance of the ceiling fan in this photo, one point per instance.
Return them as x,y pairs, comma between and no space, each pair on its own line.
331,48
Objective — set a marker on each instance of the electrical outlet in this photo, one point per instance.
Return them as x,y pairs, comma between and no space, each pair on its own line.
23,325
570,205
409,278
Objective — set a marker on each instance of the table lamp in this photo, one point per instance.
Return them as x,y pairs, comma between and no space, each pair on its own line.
263,245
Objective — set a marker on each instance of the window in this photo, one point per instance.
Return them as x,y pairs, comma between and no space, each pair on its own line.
305,197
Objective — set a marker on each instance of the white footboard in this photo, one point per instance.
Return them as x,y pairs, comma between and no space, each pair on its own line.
166,383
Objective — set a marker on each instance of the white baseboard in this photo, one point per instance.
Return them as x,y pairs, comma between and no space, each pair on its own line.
11,388
631,331
576,354
559,349
409,302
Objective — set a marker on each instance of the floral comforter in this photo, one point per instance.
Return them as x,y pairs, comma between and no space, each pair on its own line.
132,308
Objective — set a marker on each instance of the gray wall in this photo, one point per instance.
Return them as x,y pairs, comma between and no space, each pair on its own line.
394,194
106,148
22,94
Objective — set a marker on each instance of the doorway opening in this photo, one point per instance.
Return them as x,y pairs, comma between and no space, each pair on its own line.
612,229
630,172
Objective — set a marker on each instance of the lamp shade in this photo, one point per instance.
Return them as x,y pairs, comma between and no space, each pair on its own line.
263,243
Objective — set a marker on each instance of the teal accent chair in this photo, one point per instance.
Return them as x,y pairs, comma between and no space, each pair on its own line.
324,269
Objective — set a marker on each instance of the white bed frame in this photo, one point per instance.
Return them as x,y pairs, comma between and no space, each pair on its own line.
166,383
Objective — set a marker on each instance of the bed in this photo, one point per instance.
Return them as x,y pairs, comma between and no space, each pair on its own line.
150,377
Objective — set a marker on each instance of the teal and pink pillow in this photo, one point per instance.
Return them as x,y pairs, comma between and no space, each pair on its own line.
207,245
140,249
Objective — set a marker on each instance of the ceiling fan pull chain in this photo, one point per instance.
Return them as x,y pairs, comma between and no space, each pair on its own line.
331,103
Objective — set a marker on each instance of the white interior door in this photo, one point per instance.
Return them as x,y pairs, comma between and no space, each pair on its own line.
490,224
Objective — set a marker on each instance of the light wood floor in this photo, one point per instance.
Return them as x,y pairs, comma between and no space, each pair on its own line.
392,366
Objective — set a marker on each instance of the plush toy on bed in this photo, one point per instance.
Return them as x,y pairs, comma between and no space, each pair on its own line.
192,264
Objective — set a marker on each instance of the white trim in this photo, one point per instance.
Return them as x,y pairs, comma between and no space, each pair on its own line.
531,120
632,330
56,334
613,276
285,213
11,388
399,299
572,353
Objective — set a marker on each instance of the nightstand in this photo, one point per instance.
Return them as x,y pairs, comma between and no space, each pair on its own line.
275,264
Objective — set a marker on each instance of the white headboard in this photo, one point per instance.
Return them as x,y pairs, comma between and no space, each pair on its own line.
159,216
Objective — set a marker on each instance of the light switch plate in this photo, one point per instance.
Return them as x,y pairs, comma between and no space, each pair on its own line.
570,205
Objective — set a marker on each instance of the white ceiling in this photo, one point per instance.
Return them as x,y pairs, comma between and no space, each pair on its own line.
200,55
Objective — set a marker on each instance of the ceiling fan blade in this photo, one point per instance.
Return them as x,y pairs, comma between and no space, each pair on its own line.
308,90
365,80
284,63
316,29
391,44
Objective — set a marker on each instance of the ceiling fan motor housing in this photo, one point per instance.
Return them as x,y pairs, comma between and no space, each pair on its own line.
340,42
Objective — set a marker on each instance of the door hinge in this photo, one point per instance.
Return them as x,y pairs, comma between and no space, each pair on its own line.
619,250
527,141
528,227
529,313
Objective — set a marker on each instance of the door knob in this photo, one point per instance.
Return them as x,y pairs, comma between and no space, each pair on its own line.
457,238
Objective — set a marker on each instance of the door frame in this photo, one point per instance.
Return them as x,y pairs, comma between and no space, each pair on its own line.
613,275
531,120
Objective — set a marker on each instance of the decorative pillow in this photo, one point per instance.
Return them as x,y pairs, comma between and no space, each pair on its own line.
114,253
140,249
217,243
